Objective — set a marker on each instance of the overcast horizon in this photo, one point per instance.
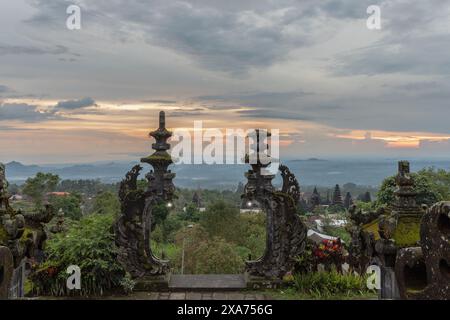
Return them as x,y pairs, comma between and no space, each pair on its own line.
314,70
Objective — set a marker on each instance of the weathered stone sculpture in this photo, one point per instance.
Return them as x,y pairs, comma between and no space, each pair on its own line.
286,234
399,229
364,233
59,227
4,198
160,181
23,234
6,271
423,272
396,234
133,226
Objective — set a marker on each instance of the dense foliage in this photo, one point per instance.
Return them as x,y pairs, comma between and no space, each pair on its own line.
326,284
220,231
217,256
426,187
106,203
37,187
88,244
69,204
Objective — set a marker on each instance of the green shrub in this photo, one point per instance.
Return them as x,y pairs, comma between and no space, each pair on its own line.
88,244
326,284
106,202
424,185
217,257
69,204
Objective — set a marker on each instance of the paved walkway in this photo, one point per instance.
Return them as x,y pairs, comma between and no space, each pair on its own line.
228,295
207,282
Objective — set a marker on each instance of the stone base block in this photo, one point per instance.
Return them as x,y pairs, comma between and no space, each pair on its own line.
258,283
153,283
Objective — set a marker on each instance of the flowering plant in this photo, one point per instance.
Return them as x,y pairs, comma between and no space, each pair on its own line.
328,248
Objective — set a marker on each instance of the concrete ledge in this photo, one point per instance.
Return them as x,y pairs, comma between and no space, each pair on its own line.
153,283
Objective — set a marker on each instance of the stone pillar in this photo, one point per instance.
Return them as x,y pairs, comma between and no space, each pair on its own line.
6,271
389,287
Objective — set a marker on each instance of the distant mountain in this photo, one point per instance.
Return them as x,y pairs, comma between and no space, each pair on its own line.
17,170
111,172
309,172
310,159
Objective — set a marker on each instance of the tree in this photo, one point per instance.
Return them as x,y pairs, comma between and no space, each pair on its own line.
38,187
159,214
315,199
13,189
440,180
106,203
169,226
218,257
69,204
222,220
426,188
365,197
190,213
348,201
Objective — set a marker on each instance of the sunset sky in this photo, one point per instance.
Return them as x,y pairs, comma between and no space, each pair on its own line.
309,68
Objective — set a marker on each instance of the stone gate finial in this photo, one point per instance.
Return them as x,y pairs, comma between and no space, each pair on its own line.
162,119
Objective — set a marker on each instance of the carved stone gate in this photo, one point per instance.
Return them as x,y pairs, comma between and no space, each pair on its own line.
286,234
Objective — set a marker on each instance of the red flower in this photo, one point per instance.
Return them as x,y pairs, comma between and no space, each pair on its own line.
51,271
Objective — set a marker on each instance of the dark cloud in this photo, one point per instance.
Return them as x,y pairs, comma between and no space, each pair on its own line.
426,55
180,112
224,107
160,101
272,114
415,41
395,79
4,89
75,104
233,37
24,112
31,50
417,86
258,99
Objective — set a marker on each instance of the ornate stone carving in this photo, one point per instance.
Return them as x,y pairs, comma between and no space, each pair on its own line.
6,271
4,198
286,234
160,180
133,229
23,233
424,272
133,226
290,184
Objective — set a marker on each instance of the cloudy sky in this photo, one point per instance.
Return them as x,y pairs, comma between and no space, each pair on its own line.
309,68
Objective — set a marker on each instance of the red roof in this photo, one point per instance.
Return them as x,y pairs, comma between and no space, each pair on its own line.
58,194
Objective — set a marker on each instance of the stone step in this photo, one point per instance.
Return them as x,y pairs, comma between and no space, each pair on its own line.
207,282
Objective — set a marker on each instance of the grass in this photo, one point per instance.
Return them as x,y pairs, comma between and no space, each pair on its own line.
325,286
293,294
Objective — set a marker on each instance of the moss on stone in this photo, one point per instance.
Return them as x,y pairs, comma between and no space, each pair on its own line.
25,234
407,233
23,238
158,156
3,236
373,227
